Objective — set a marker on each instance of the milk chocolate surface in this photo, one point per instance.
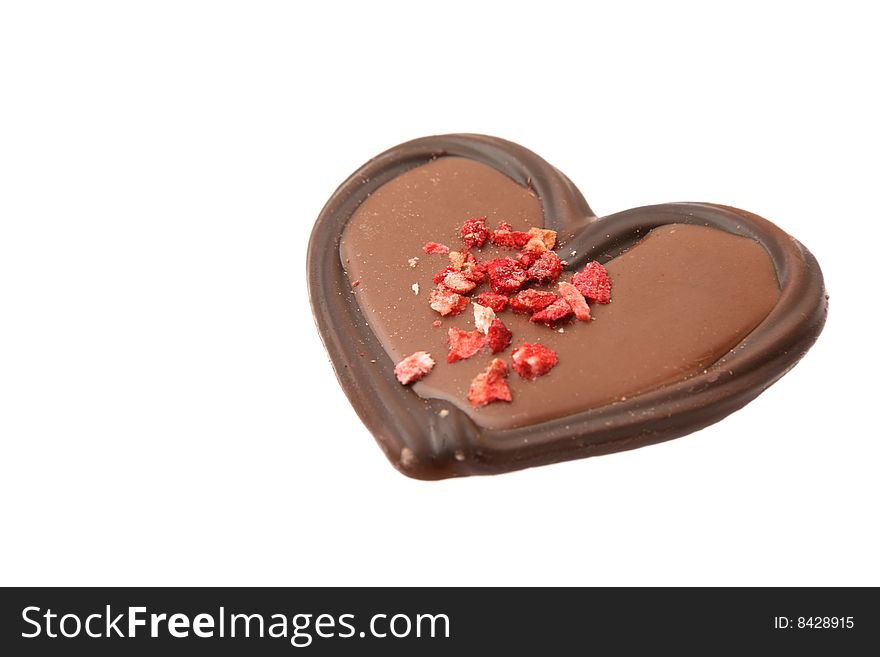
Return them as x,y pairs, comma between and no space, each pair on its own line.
711,305
683,296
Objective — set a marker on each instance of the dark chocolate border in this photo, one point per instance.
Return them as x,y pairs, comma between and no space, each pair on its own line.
421,444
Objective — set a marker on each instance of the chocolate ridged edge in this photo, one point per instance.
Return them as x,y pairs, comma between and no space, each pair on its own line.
423,445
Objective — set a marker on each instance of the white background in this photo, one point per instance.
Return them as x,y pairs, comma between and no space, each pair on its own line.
167,412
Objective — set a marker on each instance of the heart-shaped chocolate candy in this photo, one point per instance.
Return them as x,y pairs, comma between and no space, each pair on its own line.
711,305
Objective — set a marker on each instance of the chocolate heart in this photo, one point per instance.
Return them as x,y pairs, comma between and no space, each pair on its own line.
711,305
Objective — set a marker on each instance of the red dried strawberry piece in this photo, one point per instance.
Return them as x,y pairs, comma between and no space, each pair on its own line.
458,282
466,264
490,385
499,336
532,360
513,239
496,302
528,259
557,310
474,232
464,344
576,300
413,367
474,272
593,282
435,247
446,301
506,275
442,273
546,268
531,301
